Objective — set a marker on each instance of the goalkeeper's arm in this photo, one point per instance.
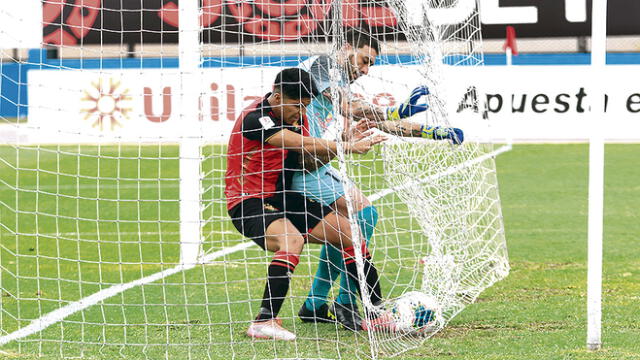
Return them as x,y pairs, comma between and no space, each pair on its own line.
411,129
358,108
442,133
396,115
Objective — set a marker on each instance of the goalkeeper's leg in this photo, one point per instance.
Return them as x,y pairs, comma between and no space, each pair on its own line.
327,188
341,232
331,265
345,307
367,219
329,268
376,321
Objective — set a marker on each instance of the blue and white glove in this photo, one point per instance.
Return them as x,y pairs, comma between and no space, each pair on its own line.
441,133
410,107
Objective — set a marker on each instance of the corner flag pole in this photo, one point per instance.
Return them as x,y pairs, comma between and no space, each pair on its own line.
510,47
596,176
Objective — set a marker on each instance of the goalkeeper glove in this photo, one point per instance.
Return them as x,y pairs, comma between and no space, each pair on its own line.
410,107
441,133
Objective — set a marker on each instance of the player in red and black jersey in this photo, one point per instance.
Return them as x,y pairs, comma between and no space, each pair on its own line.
265,145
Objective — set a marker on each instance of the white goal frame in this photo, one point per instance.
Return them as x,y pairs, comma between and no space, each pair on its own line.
596,177
190,157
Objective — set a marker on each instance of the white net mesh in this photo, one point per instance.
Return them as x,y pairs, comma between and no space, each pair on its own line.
441,230
115,239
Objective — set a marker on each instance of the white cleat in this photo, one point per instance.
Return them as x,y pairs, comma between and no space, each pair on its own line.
270,329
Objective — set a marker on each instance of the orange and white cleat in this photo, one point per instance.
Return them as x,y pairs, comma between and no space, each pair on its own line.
270,329
384,322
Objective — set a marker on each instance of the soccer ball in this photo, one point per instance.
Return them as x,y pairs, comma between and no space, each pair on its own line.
415,312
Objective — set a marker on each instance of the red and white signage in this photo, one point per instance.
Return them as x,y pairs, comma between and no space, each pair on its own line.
139,105
539,103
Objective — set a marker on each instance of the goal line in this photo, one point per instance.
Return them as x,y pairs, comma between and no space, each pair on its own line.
56,316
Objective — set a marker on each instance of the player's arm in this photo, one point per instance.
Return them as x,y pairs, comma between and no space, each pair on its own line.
361,109
312,162
290,140
349,132
411,129
377,116
392,119
264,129
401,128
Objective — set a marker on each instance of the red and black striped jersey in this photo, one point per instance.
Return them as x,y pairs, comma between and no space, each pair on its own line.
256,169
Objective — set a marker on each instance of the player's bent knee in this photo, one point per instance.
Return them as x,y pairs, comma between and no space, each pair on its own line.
283,235
360,202
334,229
364,203
293,244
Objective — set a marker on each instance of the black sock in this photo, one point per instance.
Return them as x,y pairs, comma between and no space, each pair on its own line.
371,273
277,286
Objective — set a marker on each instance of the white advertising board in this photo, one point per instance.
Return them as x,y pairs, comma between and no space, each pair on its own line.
531,103
523,103
137,105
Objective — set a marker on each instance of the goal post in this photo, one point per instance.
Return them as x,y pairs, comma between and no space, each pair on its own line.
189,60
595,229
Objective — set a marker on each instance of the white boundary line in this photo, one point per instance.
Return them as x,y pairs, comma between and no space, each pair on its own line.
106,233
135,184
55,316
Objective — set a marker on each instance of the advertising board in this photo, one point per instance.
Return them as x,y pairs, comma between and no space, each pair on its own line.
537,103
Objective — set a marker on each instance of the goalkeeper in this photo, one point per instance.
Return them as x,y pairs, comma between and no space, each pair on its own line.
322,183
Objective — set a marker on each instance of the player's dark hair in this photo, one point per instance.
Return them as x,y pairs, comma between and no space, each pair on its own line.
359,38
295,83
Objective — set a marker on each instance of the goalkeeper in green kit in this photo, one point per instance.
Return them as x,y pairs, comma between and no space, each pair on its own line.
322,183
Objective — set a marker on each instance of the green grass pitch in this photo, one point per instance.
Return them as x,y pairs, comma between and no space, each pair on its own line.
65,253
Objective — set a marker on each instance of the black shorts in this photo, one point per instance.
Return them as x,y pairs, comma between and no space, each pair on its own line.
253,216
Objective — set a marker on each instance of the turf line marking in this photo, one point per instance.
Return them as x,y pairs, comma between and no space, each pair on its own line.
112,233
55,316
92,187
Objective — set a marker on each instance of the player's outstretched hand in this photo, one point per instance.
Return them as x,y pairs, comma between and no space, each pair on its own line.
443,133
364,124
363,146
410,107
361,130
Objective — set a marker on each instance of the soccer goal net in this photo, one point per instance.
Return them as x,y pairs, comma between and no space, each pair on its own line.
115,237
